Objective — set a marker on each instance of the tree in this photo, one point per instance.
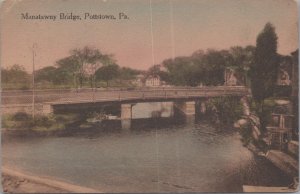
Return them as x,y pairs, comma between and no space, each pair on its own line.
70,68
46,74
15,76
263,72
205,67
178,70
107,73
127,73
89,61
242,59
201,67
213,64
156,70
83,63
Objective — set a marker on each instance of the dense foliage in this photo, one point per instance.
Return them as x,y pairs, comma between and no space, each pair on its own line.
227,109
264,70
16,77
107,73
204,68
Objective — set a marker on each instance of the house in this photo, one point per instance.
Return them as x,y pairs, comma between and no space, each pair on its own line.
285,71
283,78
152,81
230,77
234,77
283,128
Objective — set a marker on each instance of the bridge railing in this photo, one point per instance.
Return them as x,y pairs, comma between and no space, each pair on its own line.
101,95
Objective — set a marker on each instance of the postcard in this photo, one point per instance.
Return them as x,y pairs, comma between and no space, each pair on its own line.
149,96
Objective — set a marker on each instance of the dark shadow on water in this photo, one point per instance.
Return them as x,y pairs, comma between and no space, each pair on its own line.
257,174
149,124
106,127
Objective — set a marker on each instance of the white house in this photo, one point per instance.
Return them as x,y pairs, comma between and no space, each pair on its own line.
152,81
230,77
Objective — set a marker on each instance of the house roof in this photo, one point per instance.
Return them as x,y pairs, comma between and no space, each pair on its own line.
152,76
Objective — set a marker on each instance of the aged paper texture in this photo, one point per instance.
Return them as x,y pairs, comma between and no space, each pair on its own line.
149,96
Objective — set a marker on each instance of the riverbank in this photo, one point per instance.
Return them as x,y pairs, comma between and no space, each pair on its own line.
282,161
12,184
14,181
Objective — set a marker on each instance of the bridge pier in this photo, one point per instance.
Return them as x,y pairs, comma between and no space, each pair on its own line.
126,116
203,106
187,109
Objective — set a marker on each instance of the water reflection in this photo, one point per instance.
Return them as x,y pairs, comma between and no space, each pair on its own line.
155,155
174,158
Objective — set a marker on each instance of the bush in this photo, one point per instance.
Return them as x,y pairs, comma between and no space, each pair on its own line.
66,118
246,133
229,109
7,121
43,121
21,116
19,120
25,121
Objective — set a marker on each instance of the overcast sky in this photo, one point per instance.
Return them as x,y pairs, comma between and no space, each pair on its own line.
179,28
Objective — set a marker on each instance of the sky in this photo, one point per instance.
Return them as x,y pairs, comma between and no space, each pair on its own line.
156,29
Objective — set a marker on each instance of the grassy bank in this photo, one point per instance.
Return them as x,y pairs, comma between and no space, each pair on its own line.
21,123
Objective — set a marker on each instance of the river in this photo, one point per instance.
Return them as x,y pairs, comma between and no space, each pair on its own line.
150,158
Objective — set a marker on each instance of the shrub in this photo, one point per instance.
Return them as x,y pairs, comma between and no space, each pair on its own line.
246,133
43,121
229,109
66,118
21,116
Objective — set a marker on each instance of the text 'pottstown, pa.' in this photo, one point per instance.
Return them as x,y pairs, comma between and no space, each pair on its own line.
74,17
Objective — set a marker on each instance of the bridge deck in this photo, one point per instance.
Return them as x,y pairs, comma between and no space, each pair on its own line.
56,97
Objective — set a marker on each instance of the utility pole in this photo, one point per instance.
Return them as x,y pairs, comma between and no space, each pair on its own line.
93,81
95,67
33,82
